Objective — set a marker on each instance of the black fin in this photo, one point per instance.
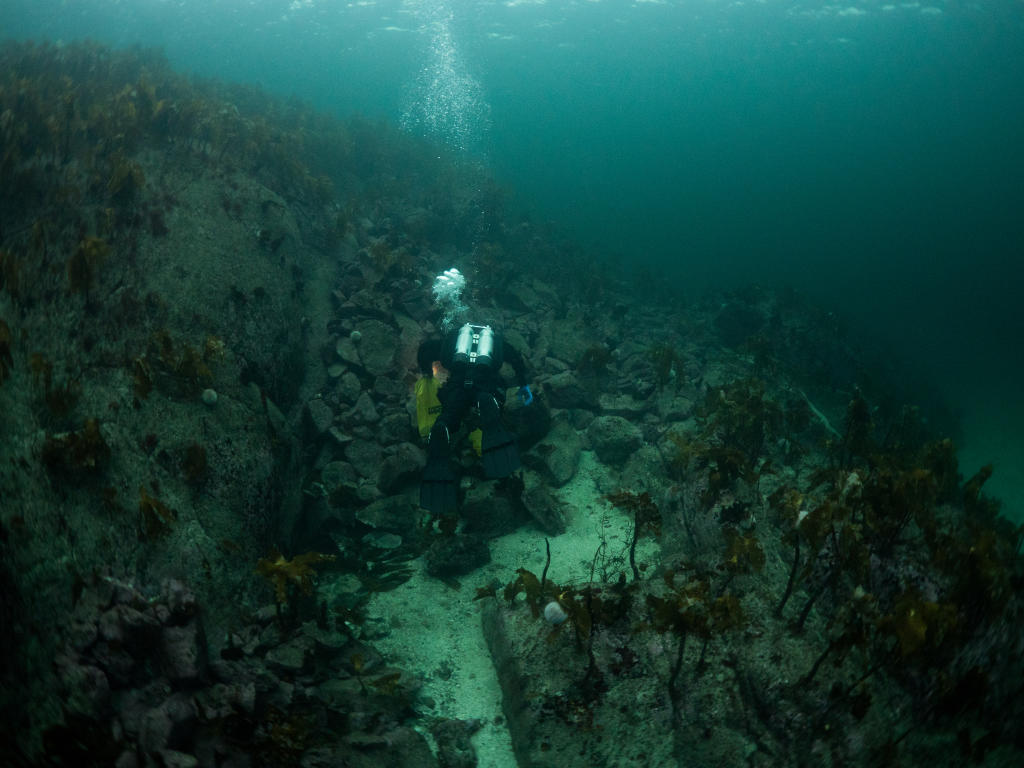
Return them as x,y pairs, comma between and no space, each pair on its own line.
439,488
498,452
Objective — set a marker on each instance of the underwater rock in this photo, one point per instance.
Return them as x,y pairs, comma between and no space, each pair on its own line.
626,406
327,644
564,390
320,414
183,653
403,465
643,463
394,428
135,703
169,726
117,663
179,600
377,747
397,514
367,492
525,297
675,408
544,508
376,346
128,628
381,540
486,511
171,758
553,694
457,555
87,686
392,390
319,514
336,474
641,388
580,420
346,350
558,456
551,296
614,439
454,747
289,659
369,302
364,411
569,340
349,387
83,633
223,700
340,438
364,455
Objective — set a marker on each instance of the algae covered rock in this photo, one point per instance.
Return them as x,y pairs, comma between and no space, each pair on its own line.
376,345
559,454
614,439
565,390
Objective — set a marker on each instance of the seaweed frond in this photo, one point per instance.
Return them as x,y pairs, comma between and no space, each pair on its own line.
77,454
156,516
281,572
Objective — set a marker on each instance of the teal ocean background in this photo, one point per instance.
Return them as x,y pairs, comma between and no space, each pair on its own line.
867,153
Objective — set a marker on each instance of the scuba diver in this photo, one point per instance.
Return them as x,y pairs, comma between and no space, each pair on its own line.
473,356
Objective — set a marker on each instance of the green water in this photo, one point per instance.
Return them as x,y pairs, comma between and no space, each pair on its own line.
867,153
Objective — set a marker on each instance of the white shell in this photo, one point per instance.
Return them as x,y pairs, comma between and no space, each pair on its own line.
554,613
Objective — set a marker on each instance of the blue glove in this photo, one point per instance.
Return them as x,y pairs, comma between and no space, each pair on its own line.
525,394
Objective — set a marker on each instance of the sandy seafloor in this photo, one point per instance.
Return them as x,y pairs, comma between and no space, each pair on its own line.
435,629
432,629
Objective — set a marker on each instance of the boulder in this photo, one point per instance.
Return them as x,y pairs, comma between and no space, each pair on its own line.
364,411
291,658
564,390
336,474
396,514
320,415
183,653
558,456
626,406
349,387
376,344
364,455
544,508
614,439
488,511
346,350
456,555
401,467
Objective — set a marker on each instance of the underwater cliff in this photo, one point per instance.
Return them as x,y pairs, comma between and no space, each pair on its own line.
738,537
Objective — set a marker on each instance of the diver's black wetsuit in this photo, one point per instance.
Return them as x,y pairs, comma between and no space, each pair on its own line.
468,385
465,381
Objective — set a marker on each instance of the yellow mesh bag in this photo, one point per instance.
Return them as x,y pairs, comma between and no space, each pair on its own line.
428,407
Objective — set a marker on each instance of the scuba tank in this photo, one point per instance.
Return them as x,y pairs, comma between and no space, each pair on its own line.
474,345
